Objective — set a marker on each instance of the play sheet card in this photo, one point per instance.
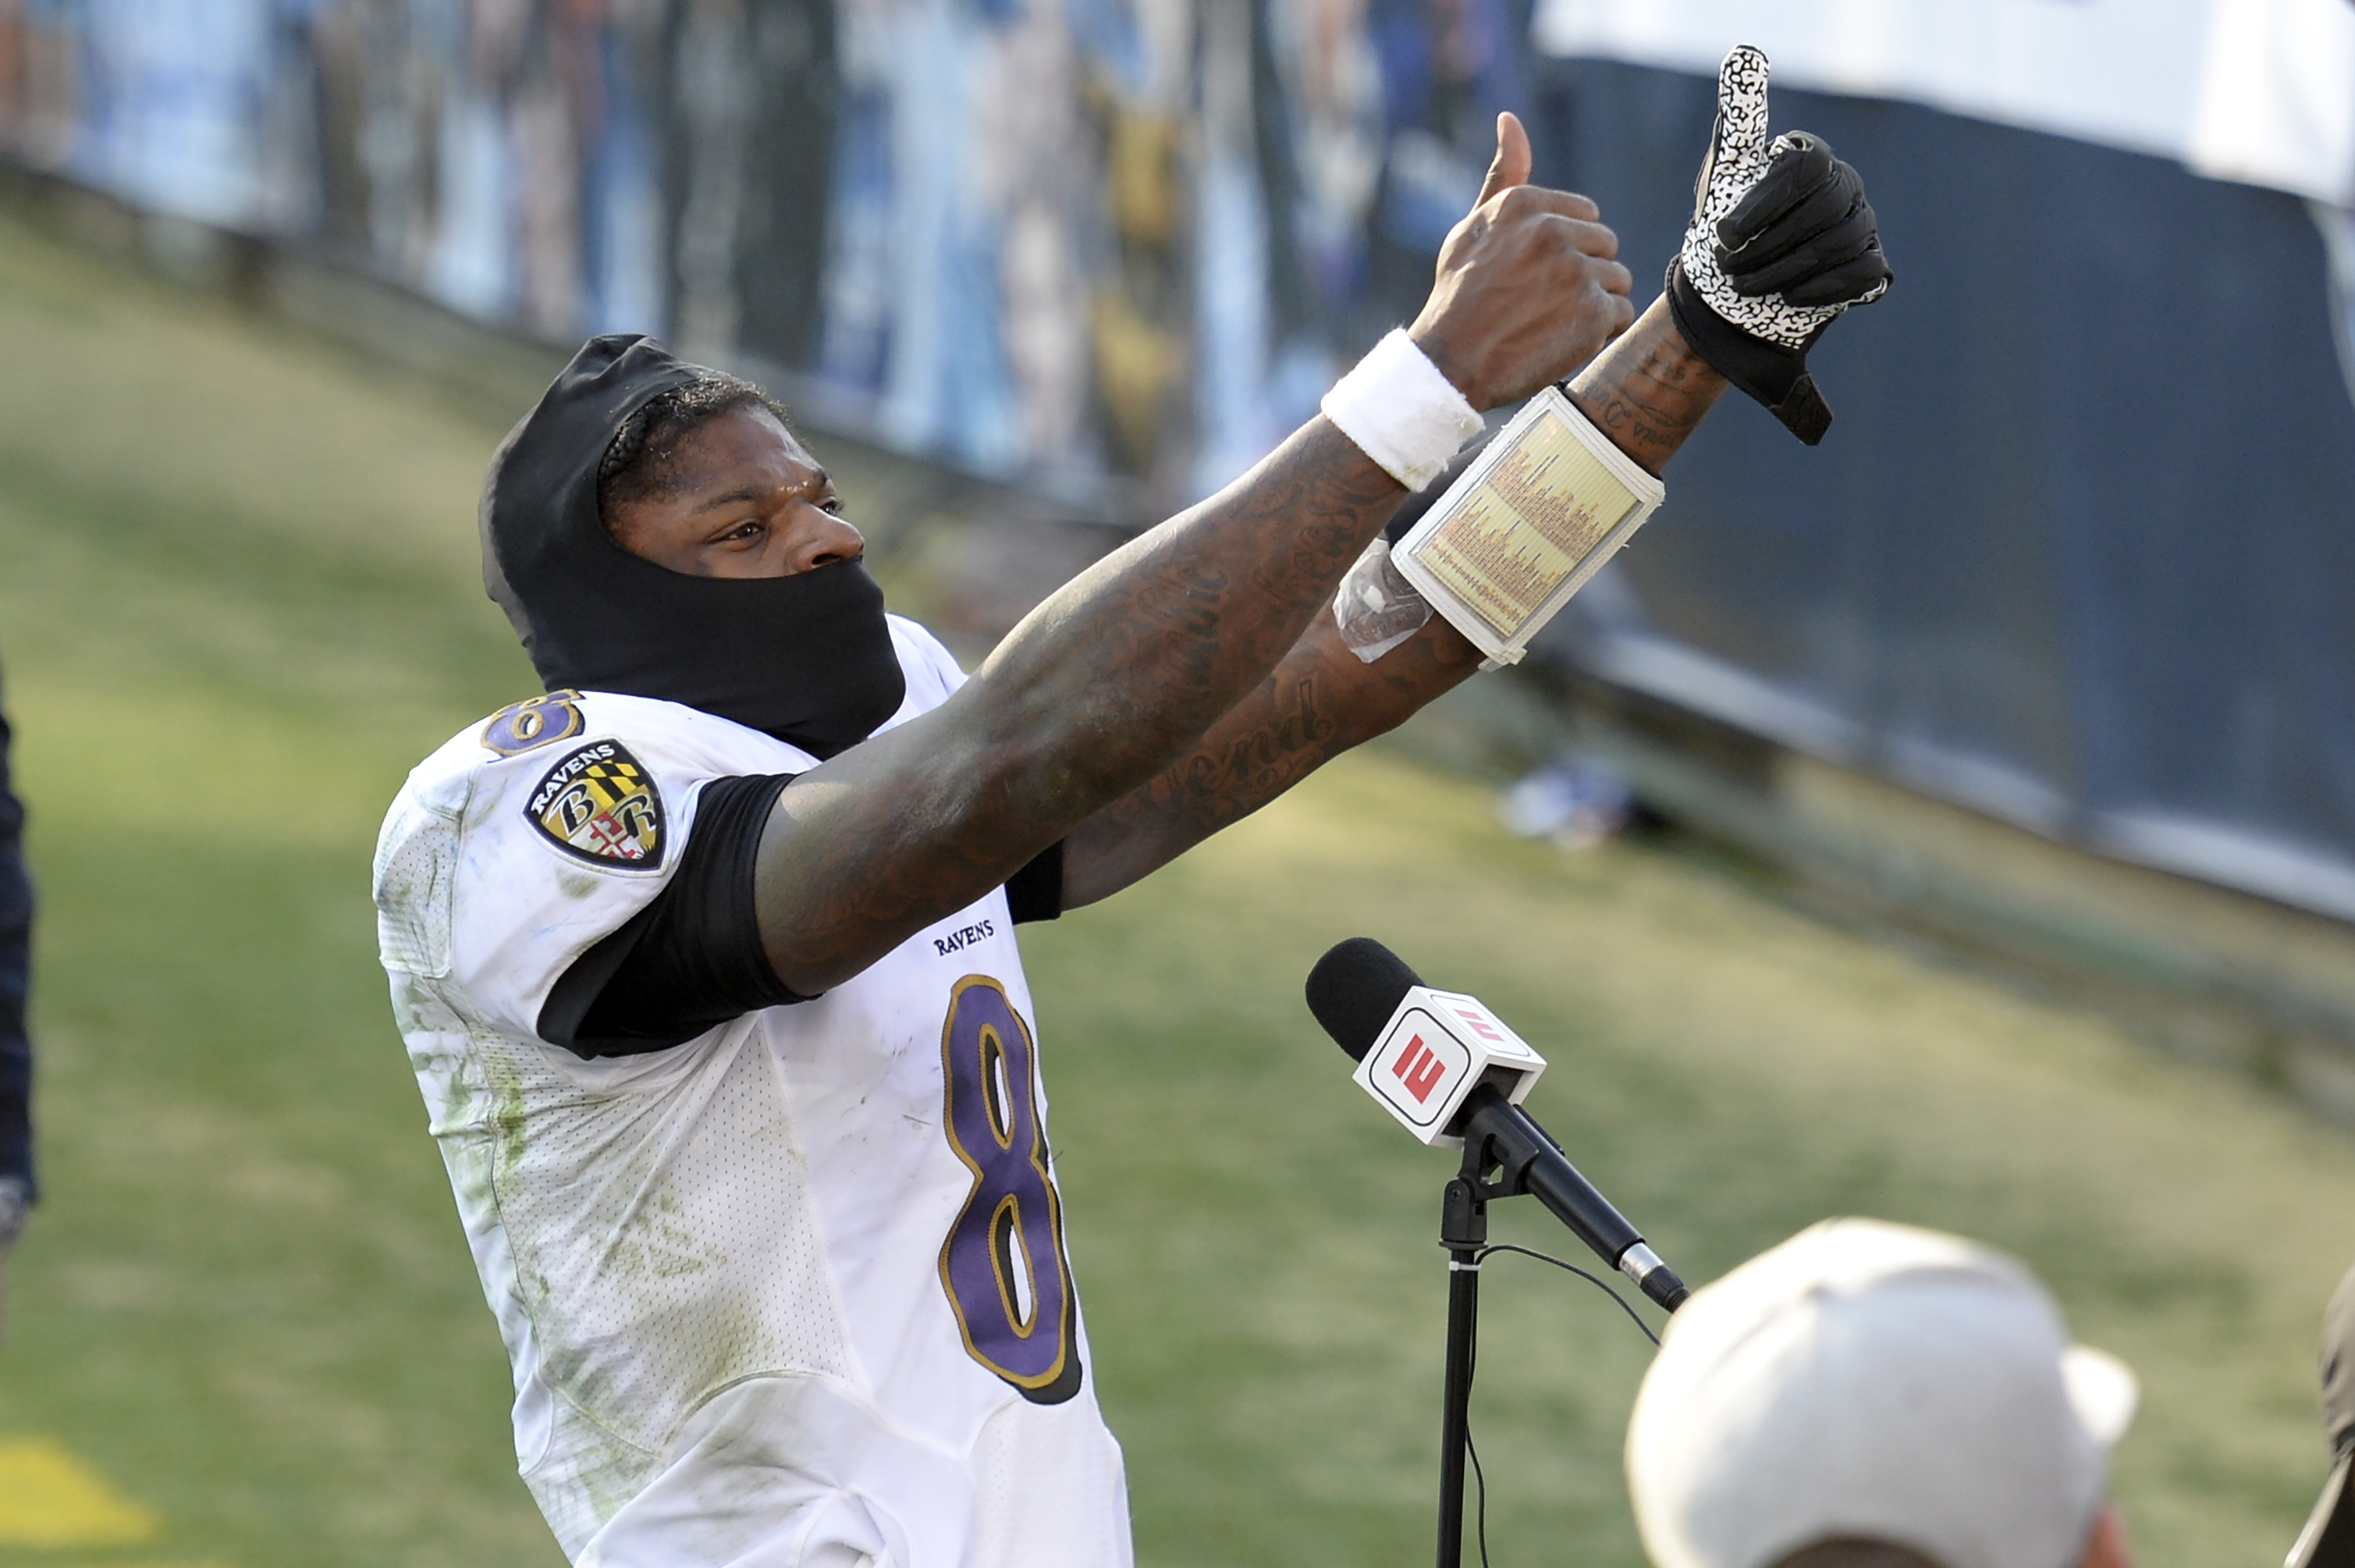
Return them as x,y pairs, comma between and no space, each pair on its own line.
1544,506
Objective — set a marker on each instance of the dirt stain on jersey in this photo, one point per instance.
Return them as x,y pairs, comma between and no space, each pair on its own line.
507,1114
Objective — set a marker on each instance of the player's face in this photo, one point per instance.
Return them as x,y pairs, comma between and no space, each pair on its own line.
747,501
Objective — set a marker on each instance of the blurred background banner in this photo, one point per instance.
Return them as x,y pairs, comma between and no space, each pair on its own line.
2074,556
2257,90
1064,240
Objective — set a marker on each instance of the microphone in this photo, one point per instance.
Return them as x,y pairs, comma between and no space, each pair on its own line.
1445,1066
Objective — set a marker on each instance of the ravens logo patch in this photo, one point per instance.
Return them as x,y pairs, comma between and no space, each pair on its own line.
600,803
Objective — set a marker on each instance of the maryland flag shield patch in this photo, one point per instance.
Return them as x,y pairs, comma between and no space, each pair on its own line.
600,803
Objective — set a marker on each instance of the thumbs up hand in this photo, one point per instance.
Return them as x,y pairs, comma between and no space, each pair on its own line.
1530,284
1781,242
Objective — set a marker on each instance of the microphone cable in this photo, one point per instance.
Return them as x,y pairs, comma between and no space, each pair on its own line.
1472,1374
1600,1284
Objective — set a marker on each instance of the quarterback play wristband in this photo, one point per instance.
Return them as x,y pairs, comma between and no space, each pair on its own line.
1402,412
1536,515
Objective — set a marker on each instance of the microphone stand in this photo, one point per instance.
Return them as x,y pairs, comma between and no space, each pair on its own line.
1463,1231
1504,1158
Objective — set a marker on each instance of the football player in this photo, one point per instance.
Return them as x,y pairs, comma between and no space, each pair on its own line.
705,959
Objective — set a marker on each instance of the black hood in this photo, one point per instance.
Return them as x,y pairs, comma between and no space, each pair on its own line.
807,658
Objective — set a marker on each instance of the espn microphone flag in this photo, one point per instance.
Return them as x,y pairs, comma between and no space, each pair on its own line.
1438,1046
1444,1068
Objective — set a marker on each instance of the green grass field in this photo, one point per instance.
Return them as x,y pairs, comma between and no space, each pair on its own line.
239,597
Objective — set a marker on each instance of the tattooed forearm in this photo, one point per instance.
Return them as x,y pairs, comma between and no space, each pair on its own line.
1143,651
1648,391
1319,703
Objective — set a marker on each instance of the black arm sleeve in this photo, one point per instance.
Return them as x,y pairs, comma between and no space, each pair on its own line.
690,960
1035,892
693,958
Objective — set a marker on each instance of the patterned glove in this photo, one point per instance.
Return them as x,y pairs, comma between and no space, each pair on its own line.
1782,241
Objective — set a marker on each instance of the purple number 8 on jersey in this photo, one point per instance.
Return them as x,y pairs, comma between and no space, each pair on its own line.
1003,1264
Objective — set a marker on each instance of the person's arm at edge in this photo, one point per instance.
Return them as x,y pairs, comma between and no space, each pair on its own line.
1649,391
1122,670
16,1184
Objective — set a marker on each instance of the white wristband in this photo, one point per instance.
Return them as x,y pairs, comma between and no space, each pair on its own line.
1402,412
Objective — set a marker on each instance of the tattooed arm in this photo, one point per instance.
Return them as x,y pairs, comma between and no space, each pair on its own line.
1117,676
1648,391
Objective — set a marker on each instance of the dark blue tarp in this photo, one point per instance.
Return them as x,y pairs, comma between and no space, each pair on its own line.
2080,549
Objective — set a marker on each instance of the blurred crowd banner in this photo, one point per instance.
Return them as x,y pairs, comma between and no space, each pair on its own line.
1059,240
2256,91
2080,550
2077,554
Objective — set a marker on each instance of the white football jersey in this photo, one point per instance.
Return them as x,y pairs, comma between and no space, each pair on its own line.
794,1292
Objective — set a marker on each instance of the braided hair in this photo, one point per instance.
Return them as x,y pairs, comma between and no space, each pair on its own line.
642,458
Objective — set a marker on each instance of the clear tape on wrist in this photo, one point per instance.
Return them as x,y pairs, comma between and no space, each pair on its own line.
1402,412
1377,608
1535,515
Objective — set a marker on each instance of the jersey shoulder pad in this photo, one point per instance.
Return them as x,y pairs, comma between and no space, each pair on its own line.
565,816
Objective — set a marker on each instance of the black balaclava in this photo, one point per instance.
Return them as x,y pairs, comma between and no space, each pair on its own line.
806,658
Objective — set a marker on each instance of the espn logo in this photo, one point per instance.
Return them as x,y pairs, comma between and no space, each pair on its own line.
1436,1049
1419,1069
1480,1023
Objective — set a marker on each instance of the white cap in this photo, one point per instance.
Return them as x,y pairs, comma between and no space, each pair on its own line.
1874,1380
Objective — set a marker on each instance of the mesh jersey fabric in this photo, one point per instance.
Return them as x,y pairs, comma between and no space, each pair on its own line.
724,1272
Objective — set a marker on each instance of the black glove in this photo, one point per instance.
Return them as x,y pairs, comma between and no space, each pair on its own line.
1782,241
